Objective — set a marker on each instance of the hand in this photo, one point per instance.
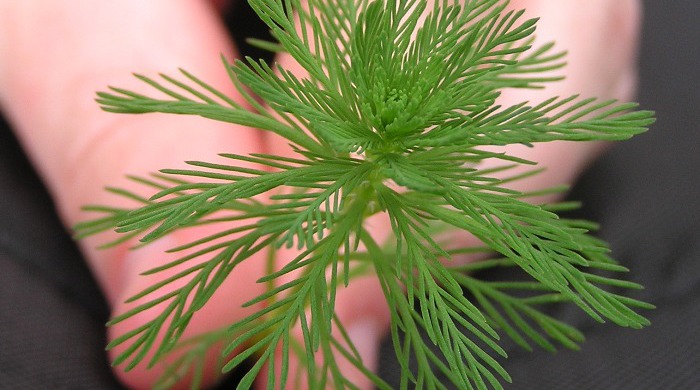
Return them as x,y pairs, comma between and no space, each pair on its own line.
55,55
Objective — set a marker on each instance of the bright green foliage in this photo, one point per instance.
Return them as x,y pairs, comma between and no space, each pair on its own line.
390,119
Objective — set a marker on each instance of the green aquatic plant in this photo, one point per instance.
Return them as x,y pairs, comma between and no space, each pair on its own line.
392,118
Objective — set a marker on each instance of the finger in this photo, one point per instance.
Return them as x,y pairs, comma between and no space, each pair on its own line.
60,55
363,312
601,40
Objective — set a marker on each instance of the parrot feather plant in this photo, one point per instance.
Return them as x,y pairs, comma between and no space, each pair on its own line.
394,117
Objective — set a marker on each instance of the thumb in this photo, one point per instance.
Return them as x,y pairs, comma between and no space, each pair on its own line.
78,149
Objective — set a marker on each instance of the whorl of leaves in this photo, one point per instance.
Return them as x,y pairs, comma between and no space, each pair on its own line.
398,102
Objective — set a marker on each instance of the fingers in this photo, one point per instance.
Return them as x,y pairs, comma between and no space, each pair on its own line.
61,53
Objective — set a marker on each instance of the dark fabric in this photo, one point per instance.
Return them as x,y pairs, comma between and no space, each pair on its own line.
645,192
52,314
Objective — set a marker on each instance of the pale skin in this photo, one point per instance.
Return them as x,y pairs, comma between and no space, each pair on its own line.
55,55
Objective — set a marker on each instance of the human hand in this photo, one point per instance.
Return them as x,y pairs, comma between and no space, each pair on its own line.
71,141
55,55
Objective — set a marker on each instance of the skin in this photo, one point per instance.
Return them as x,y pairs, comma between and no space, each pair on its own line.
55,55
